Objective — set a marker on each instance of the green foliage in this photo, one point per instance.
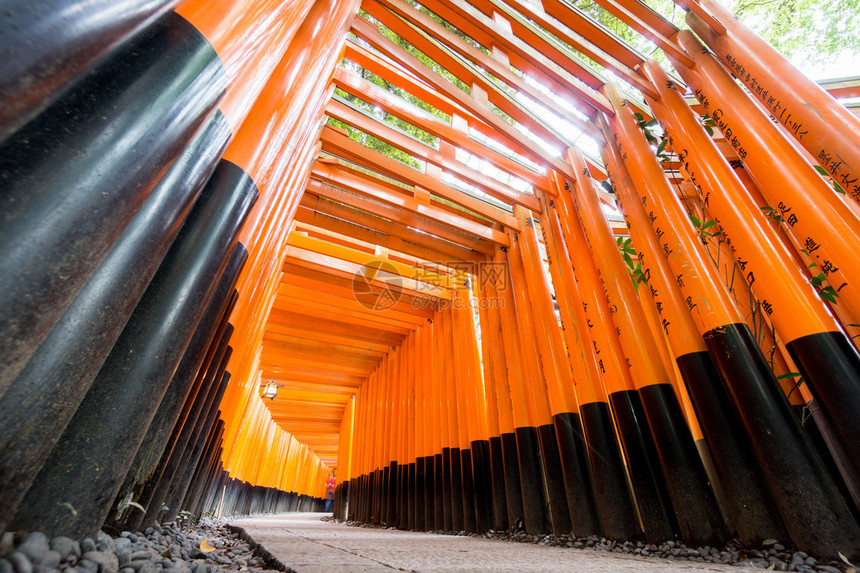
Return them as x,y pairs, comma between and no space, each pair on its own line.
421,56
709,124
817,28
637,275
823,172
703,226
799,380
825,291
771,214
376,144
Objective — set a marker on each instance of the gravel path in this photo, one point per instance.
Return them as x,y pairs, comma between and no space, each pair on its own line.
311,543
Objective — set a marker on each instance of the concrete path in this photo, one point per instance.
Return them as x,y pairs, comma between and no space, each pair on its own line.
308,545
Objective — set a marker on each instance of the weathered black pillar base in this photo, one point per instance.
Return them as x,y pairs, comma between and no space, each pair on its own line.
457,517
577,474
617,515
146,470
438,493
814,513
532,483
483,485
410,495
429,493
831,367
469,519
499,495
76,175
72,41
649,484
30,419
390,506
751,511
418,524
198,439
378,489
170,465
559,514
447,503
820,431
513,491
402,496
151,347
694,501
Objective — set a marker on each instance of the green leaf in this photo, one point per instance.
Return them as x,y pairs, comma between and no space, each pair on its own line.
696,221
638,116
788,375
628,260
709,224
829,294
709,129
837,188
662,146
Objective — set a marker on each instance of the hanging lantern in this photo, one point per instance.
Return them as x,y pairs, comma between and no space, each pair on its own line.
270,391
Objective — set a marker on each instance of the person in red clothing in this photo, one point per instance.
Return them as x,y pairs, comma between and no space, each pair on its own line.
329,490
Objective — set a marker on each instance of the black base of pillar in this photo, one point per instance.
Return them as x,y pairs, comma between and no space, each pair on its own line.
615,509
457,515
513,490
499,496
813,511
751,510
532,482
694,501
577,474
649,484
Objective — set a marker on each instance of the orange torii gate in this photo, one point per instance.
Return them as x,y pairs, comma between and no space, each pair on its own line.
436,249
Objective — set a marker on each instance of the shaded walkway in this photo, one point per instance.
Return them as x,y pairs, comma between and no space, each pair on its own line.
307,544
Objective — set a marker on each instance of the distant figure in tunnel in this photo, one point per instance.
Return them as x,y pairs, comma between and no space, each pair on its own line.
329,490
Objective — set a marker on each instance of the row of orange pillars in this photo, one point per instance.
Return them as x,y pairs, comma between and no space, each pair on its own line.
152,155
669,406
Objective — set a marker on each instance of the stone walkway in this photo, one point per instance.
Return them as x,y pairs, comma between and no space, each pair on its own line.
309,545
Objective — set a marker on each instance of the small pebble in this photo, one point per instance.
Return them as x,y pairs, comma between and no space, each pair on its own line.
20,562
34,546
